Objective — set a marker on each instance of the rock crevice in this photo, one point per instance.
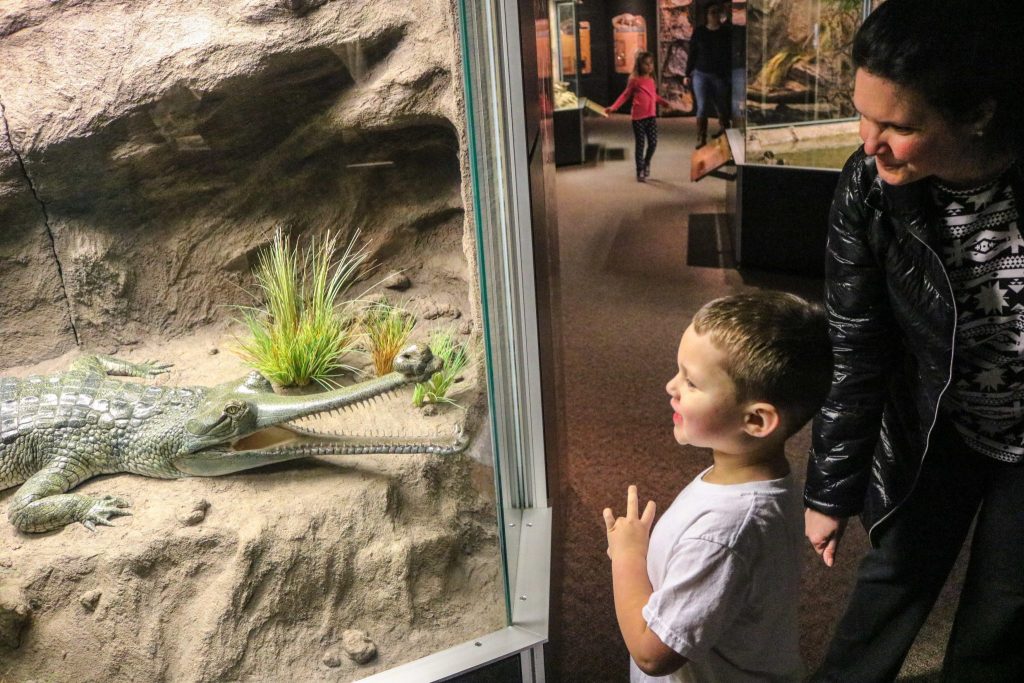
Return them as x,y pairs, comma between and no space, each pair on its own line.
46,216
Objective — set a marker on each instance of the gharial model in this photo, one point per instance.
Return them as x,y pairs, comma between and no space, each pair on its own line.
58,431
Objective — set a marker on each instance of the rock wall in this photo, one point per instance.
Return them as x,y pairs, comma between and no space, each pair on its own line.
149,150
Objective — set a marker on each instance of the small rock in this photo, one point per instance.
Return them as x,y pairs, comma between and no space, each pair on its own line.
435,311
332,660
302,6
465,327
90,599
214,351
358,646
5,563
429,409
194,514
398,282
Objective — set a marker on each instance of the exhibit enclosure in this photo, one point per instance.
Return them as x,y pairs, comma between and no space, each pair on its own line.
797,130
571,55
799,81
269,390
572,49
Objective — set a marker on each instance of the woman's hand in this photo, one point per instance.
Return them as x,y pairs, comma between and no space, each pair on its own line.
824,533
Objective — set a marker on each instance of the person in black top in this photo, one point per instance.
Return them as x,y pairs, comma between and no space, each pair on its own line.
708,68
922,433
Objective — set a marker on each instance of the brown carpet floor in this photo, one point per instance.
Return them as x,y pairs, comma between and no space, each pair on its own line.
624,295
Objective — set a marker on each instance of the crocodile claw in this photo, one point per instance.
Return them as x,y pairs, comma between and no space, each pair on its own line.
154,368
103,509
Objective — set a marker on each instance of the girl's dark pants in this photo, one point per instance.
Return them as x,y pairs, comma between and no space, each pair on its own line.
899,581
645,130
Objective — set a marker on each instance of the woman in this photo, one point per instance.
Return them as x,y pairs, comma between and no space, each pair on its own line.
924,424
709,67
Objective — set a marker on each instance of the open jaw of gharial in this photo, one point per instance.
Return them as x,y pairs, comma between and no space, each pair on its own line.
242,425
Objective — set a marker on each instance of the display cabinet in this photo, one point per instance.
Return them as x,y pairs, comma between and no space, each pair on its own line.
798,129
571,57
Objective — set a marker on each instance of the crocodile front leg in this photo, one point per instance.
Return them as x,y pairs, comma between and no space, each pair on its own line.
42,504
108,365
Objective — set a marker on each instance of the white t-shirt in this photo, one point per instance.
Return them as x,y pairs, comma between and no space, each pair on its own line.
724,562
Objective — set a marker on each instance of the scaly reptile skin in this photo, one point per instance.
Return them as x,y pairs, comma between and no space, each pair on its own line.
58,431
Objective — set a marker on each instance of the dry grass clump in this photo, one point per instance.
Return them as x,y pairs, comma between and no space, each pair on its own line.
387,328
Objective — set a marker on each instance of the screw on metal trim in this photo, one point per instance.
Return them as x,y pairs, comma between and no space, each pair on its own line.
511,523
522,597
529,524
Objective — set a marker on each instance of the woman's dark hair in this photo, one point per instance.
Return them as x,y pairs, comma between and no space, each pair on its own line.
958,54
706,8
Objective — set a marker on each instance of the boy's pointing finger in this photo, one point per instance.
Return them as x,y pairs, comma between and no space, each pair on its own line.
632,506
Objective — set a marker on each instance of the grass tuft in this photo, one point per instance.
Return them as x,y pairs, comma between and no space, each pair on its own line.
455,357
304,328
387,328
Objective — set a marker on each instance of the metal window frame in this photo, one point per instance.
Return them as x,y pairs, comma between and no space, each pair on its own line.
493,77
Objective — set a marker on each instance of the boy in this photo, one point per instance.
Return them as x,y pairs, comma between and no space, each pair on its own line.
711,595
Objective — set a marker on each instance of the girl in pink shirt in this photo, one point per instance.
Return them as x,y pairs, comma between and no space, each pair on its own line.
644,113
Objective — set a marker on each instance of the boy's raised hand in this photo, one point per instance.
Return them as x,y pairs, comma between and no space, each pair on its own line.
631,534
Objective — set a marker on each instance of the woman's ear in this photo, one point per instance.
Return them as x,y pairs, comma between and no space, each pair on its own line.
761,420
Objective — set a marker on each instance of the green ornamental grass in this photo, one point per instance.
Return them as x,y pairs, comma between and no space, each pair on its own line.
387,328
455,358
304,328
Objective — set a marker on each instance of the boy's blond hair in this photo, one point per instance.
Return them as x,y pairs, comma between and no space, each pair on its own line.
778,350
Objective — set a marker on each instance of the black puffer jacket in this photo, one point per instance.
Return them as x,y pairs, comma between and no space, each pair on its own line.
892,323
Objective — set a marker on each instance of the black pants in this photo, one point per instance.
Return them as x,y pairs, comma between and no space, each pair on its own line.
899,581
645,130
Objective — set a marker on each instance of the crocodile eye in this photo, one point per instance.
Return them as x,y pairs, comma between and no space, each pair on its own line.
234,409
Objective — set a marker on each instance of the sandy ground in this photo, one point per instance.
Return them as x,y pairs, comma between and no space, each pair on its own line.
267,573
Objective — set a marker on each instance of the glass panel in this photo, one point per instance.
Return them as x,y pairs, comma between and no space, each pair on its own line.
800,77
142,224
571,49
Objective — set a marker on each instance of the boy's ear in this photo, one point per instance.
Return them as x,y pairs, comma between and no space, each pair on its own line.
761,420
